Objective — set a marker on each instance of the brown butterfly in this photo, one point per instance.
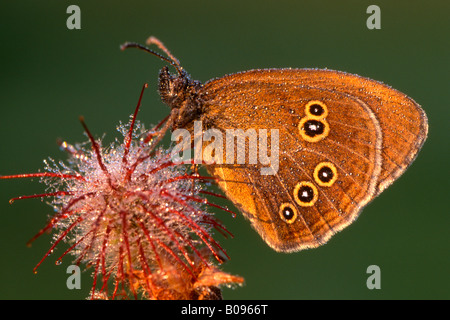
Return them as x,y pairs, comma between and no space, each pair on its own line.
342,140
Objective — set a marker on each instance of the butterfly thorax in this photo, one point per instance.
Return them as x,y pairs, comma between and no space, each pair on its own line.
180,93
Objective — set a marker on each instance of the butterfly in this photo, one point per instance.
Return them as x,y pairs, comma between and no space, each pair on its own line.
341,140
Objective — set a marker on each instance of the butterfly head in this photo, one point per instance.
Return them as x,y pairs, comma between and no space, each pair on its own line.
175,89
178,91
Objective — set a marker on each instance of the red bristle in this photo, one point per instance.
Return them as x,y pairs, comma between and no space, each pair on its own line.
94,282
218,226
60,215
202,234
127,247
42,195
212,194
96,151
103,255
186,177
128,138
167,230
71,150
205,201
41,175
62,236
145,268
195,227
167,249
193,249
71,248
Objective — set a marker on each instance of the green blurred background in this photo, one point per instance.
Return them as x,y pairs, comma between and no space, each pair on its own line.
51,75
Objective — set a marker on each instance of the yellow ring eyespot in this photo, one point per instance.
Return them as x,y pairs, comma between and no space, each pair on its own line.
305,194
313,129
288,213
325,174
316,109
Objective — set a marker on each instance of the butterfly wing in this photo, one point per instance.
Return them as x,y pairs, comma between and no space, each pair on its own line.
368,135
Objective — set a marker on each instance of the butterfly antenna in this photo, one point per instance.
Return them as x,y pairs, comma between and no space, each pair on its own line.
152,40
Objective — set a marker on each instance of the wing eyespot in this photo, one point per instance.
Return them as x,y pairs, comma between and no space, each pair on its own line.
288,213
316,109
305,194
325,174
312,129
